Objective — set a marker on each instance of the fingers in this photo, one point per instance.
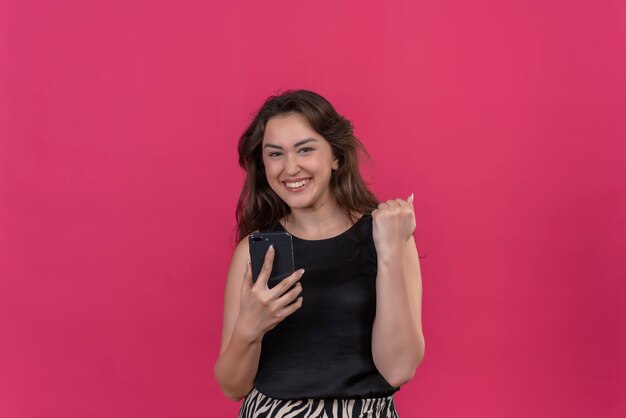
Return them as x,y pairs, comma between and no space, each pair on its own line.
266,270
289,309
290,296
396,204
284,303
287,283
392,205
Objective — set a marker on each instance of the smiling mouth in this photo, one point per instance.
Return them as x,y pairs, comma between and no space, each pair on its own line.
296,185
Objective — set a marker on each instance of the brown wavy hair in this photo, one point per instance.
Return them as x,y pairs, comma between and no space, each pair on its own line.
259,207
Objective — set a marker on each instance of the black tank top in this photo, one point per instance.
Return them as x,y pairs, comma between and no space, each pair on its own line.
324,349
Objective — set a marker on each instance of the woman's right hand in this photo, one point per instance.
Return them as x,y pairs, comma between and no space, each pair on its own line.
262,308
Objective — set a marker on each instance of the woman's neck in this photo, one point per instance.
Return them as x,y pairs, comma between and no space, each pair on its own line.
317,223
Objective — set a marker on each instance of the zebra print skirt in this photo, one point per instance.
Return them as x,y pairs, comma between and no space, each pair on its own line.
257,405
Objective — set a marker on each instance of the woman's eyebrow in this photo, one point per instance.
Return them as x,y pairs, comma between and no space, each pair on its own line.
297,144
304,141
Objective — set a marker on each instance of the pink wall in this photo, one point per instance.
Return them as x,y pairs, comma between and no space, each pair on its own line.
118,182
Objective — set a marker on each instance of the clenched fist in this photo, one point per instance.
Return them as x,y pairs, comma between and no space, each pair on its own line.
394,224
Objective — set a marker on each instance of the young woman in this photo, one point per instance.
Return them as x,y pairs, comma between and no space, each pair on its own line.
340,335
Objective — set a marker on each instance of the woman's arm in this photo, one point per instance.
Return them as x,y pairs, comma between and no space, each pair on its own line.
250,310
397,340
239,353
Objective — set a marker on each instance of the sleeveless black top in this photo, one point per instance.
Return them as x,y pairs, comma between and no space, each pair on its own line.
324,349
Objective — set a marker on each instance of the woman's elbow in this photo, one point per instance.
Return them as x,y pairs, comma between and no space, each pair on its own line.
231,393
233,396
404,375
400,379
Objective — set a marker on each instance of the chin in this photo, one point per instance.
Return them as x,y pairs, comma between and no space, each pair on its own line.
300,203
294,205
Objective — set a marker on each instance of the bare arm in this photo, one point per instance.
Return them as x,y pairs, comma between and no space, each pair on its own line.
239,353
397,339
250,310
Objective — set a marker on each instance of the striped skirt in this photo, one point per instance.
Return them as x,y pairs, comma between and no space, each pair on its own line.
257,405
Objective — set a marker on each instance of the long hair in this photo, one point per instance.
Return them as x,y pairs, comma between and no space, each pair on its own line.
259,207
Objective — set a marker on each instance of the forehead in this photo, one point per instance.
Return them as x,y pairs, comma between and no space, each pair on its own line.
289,128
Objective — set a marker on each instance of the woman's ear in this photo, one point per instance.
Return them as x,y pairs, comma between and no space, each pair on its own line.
335,164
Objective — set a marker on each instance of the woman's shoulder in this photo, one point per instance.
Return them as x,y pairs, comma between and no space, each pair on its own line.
242,248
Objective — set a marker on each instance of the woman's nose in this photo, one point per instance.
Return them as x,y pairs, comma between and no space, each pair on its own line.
291,164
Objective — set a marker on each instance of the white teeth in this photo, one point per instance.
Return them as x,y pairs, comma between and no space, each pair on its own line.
297,184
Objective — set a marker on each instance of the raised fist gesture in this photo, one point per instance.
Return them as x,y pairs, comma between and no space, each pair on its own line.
394,224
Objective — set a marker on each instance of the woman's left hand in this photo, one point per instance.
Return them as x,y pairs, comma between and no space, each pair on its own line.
394,224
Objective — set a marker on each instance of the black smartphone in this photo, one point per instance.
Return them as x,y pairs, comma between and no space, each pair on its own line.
283,255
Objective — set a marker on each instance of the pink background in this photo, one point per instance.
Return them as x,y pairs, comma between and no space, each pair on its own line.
118,184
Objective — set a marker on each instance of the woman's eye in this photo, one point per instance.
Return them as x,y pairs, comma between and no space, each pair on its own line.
274,154
306,149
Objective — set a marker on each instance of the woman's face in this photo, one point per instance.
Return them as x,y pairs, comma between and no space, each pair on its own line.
298,161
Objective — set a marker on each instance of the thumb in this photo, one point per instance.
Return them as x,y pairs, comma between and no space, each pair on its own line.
410,200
